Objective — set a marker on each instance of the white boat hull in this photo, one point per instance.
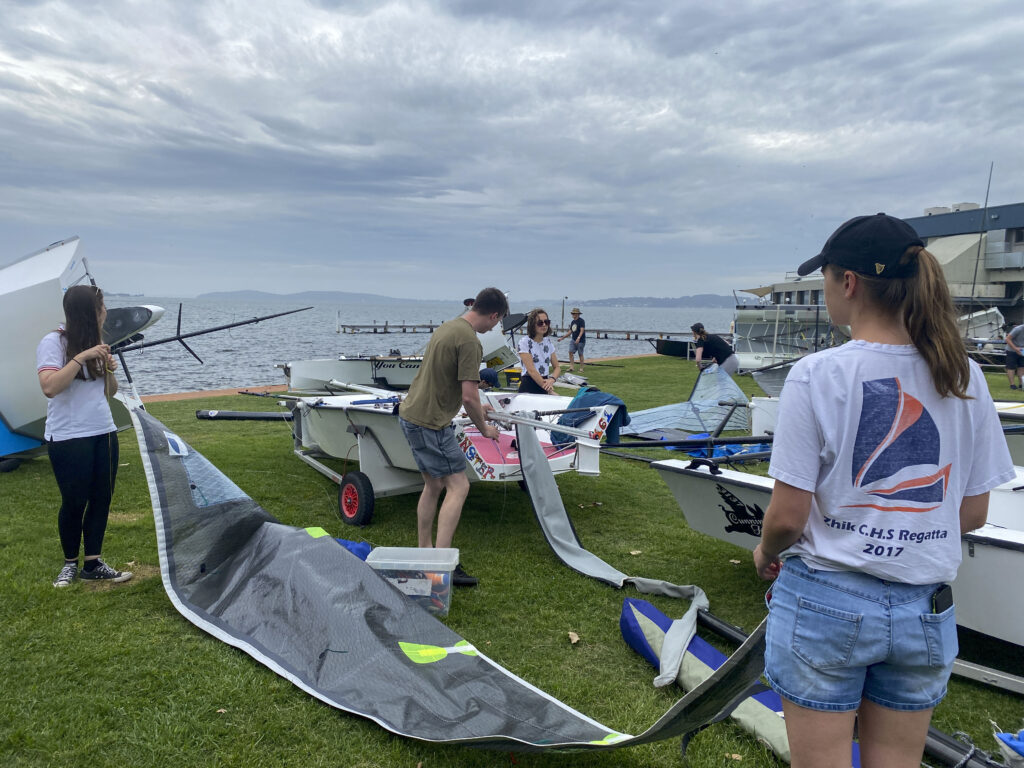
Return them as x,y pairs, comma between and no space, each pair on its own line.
387,371
390,372
364,427
31,292
730,507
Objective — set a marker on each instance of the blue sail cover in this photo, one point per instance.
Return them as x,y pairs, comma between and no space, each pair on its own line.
308,609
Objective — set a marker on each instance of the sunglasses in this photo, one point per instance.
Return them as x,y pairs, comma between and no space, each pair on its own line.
543,322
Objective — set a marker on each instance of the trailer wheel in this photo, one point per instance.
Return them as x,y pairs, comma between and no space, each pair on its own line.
9,465
355,499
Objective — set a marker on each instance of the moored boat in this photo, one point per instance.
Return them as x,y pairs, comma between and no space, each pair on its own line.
730,506
393,371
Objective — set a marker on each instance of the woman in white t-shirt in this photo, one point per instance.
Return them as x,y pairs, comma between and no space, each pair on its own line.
885,450
540,365
76,373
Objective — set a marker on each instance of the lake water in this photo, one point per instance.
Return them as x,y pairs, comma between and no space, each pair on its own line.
246,356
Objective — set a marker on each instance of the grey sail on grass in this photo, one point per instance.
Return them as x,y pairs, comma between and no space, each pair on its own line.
308,609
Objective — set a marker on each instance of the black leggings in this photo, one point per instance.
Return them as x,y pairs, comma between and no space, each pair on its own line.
528,385
85,468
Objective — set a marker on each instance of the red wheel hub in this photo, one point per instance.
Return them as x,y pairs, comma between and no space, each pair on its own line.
349,501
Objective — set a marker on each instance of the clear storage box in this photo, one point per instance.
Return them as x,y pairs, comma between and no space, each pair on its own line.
424,575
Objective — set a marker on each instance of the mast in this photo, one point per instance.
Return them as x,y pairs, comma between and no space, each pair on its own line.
977,258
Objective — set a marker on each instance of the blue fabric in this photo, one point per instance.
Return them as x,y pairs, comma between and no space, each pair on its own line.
586,398
360,549
720,451
1015,741
633,635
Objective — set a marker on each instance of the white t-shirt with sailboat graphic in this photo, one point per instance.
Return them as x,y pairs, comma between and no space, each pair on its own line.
888,460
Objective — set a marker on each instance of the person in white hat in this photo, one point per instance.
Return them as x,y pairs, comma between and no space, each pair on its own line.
578,332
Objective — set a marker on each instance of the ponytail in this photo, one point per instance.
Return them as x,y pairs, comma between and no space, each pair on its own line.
923,303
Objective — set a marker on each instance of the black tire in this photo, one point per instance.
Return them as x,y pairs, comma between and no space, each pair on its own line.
355,499
9,465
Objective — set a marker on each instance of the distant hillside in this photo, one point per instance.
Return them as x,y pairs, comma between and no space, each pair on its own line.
309,297
701,300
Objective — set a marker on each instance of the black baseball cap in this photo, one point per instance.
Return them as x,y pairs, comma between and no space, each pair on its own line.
871,245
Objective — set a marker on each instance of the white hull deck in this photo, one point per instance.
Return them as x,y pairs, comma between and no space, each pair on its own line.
387,371
364,428
393,372
730,506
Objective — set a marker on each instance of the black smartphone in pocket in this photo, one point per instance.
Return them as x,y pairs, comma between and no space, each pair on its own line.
942,599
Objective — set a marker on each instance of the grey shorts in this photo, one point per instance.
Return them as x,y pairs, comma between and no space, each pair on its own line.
574,347
436,451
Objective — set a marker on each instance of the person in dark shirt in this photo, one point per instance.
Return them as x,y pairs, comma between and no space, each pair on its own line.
716,348
578,331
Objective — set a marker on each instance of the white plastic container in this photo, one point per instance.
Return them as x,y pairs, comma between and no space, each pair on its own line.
424,575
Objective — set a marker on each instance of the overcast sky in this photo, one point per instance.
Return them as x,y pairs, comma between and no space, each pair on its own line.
426,149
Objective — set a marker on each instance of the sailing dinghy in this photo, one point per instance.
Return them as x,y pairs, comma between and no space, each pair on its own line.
730,505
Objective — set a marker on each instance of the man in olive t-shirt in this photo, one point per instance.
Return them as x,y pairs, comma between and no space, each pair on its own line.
448,379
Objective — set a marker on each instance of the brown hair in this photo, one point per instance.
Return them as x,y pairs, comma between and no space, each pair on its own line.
922,301
531,322
82,305
490,301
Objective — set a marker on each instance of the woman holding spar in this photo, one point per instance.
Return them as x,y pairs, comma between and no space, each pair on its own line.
885,450
76,373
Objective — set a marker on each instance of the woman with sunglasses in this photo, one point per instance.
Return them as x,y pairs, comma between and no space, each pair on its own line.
537,353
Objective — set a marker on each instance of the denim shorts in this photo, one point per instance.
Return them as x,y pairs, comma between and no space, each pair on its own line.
835,637
436,451
575,347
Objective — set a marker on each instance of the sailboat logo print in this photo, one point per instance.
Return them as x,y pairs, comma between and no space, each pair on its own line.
896,453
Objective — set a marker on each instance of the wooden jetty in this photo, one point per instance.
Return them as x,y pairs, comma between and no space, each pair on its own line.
429,327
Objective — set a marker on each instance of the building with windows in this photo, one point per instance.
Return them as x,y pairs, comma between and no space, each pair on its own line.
981,252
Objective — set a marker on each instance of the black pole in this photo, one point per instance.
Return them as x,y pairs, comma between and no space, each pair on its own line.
179,335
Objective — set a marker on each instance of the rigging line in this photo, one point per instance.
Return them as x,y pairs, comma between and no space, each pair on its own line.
977,258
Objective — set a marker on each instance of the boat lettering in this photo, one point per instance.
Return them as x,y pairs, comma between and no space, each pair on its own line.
602,425
483,470
414,364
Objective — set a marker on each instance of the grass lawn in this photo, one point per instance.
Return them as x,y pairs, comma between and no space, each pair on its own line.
114,676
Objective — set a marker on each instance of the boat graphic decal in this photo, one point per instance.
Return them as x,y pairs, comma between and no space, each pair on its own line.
743,518
483,470
896,452
602,423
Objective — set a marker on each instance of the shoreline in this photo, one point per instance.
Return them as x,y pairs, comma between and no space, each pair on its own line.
198,394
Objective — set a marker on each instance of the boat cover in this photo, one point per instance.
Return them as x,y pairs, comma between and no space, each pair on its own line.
314,613
701,412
